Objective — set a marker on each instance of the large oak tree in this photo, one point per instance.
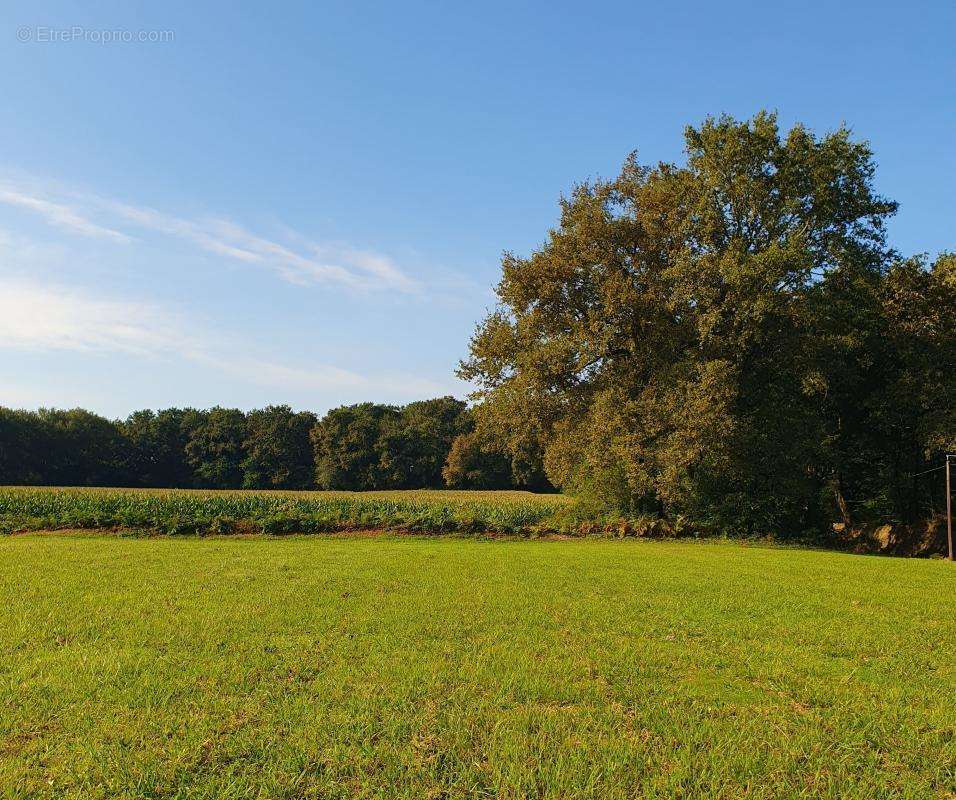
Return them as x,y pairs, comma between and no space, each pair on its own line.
662,350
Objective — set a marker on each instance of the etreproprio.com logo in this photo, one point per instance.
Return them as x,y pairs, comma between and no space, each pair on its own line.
48,34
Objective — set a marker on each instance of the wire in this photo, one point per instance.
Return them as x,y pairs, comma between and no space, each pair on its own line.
925,471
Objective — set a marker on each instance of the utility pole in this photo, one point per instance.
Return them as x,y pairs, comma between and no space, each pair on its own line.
949,508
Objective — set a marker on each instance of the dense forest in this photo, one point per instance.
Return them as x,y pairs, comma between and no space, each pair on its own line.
730,343
428,444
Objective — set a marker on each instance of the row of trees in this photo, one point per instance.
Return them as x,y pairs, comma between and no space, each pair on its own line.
425,444
730,341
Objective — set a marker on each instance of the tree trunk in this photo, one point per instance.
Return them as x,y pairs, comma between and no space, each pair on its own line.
841,500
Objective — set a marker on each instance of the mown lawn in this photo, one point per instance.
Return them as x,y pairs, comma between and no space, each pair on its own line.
415,668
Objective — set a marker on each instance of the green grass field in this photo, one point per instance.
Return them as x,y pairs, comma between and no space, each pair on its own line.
410,667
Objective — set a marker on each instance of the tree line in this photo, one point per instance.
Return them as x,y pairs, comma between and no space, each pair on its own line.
427,444
729,341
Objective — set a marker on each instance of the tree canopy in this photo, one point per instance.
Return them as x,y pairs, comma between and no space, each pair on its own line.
359,447
713,339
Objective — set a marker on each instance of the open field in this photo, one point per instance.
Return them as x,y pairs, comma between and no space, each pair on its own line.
339,668
183,511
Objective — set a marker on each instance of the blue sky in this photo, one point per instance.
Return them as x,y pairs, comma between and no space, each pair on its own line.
307,203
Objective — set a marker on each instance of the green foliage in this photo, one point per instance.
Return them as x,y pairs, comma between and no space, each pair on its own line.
706,341
23,441
361,447
877,377
215,446
157,443
473,464
278,449
345,442
368,447
413,446
77,448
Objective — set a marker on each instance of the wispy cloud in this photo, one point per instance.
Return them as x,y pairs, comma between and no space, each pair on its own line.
153,220
347,266
298,260
59,214
41,317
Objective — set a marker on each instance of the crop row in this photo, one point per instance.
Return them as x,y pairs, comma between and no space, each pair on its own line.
197,512
211,512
